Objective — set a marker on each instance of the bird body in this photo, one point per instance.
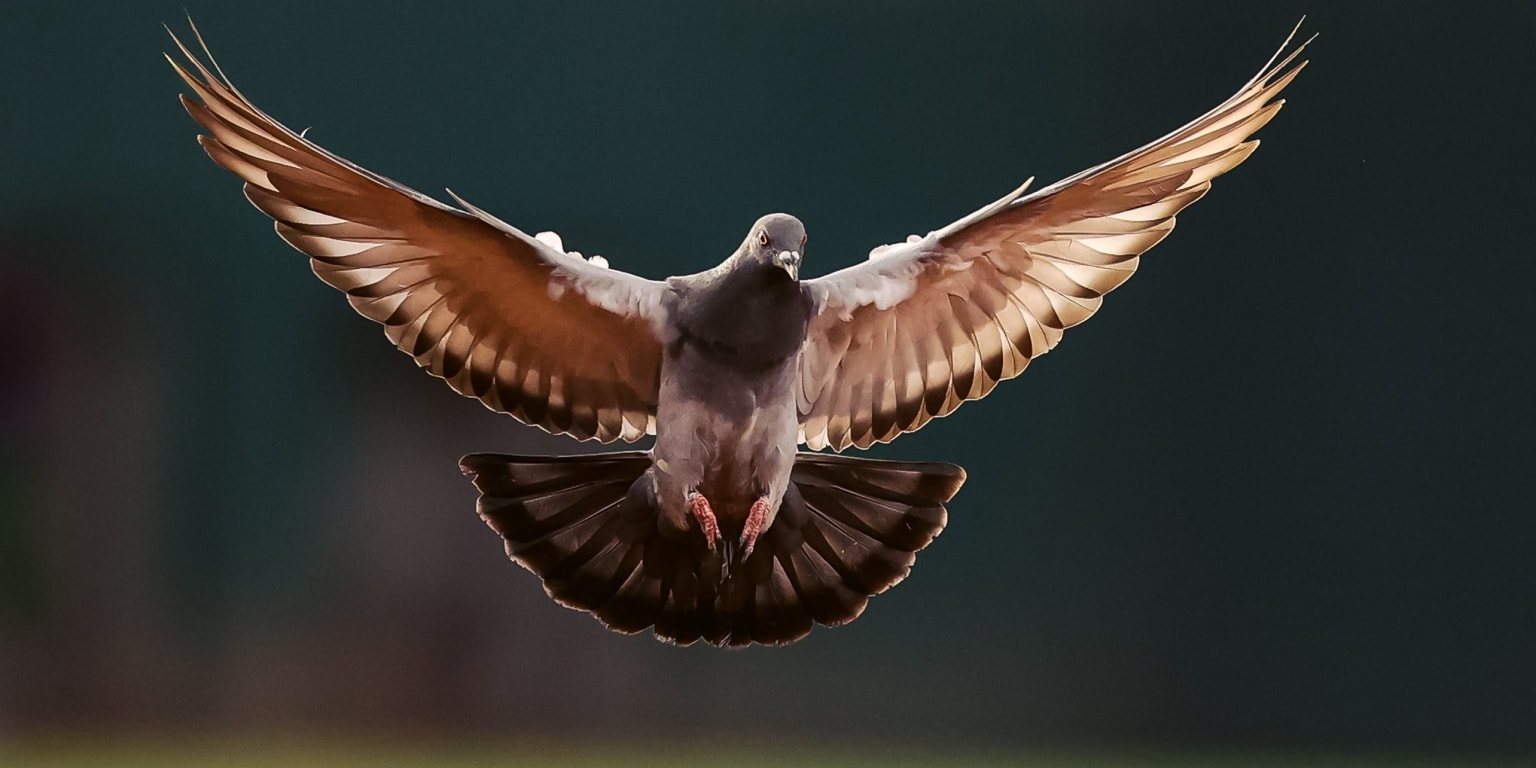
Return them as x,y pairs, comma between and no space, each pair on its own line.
728,380
725,530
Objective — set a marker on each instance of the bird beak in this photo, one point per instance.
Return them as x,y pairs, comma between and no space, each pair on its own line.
789,261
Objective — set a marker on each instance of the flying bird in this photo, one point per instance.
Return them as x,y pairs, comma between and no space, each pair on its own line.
725,530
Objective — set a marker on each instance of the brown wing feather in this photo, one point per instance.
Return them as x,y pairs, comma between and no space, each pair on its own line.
529,331
972,304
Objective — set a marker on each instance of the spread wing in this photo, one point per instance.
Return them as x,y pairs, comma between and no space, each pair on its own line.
548,337
926,325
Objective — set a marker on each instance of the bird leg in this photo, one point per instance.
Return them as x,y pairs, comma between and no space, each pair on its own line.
699,506
757,520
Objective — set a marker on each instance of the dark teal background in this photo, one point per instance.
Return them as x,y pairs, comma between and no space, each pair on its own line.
1277,493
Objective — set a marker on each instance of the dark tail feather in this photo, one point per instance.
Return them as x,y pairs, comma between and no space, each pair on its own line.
589,526
848,529
583,524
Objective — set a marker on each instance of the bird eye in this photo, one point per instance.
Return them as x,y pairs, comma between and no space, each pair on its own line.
762,239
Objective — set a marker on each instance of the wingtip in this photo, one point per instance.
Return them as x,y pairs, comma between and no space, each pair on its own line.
196,34
1294,30
211,76
176,39
1276,63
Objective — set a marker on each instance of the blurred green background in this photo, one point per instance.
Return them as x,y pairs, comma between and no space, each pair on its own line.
1273,501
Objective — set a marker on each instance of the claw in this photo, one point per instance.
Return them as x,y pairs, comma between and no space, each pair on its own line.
699,506
757,520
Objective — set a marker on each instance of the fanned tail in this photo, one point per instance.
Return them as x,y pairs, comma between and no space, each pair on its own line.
589,526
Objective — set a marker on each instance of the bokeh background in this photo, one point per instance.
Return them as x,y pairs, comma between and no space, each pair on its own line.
1273,501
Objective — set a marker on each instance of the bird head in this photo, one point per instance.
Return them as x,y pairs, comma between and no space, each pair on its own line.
777,239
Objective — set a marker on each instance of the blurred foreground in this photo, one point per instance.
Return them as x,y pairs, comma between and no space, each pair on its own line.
148,753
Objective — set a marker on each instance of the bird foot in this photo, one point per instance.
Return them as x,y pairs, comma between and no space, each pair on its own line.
699,506
757,520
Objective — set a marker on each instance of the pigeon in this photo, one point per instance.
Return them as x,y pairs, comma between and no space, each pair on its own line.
738,526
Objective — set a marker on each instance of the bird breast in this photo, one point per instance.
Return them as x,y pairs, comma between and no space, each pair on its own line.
749,327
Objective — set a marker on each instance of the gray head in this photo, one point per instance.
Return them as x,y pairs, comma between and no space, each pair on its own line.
777,239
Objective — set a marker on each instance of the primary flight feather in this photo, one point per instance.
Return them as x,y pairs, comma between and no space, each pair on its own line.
724,531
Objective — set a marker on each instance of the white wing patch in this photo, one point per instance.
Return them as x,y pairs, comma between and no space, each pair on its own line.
882,251
617,292
552,239
887,278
